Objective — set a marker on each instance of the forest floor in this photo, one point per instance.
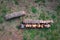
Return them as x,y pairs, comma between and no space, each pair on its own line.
36,9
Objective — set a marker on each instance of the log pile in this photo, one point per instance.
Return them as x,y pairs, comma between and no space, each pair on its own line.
29,23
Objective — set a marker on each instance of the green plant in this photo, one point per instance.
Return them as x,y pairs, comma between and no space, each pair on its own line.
32,34
1,19
33,9
53,16
24,38
16,2
42,16
1,2
58,10
10,33
37,1
25,35
53,26
2,28
18,27
4,10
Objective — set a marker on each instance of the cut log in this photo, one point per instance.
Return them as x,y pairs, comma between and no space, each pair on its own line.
37,21
29,23
14,15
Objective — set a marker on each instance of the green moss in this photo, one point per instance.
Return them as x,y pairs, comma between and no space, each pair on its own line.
58,8
33,9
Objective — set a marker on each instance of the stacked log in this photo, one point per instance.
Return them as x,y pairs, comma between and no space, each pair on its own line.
29,23
37,21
